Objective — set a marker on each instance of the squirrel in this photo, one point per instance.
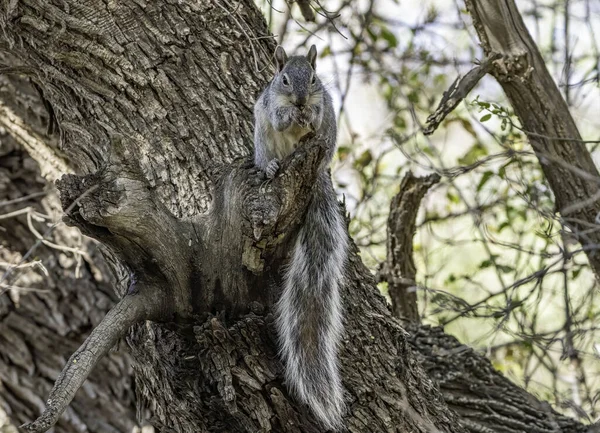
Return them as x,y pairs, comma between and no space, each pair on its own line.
309,310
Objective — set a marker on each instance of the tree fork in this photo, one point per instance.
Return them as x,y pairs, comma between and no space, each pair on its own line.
149,244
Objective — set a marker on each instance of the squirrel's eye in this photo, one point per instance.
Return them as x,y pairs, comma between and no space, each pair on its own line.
286,81
313,80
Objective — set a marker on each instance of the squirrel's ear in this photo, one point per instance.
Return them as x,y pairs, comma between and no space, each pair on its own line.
312,57
280,57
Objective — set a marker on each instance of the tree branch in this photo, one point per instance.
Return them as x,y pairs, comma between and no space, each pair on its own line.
133,308
537,101
126,216
306,10
399,268
459,89
485,400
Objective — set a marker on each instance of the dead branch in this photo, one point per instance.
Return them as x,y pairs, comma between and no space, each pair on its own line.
399,268
459,89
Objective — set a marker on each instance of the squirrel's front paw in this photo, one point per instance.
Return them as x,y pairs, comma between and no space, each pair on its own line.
272,168
304,118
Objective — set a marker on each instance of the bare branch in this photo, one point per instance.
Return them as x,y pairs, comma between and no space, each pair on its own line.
306,9
459,89
24,198
132,309
399,268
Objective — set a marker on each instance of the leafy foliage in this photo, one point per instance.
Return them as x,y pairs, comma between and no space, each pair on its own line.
496,266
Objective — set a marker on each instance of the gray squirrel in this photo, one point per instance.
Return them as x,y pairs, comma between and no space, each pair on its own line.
309,310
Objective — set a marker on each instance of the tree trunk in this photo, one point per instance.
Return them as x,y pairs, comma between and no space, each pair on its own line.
153,101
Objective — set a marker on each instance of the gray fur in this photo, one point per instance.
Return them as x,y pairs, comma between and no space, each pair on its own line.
309,311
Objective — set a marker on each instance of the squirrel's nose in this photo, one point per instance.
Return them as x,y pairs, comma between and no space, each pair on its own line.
301,101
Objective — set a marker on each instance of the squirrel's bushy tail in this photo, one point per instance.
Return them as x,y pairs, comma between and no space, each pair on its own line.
309,312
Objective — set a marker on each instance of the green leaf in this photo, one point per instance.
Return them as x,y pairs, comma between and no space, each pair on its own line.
413,97
454,198
325,52
363,160
503,225
502,171
486,176
485,118
428,151
343,152
468,127
505,269
485,264
389,37
476,151
400,123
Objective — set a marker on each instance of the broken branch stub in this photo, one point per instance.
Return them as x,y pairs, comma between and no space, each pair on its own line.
458,91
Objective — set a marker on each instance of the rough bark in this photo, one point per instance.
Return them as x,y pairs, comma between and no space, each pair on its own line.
484,399
153,102
43,324
545,118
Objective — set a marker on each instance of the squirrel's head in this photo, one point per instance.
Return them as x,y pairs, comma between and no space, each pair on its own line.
296,81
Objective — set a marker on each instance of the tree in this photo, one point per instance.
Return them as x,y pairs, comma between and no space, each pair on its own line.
153,102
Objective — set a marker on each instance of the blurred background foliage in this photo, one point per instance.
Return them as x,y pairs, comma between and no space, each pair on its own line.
494,265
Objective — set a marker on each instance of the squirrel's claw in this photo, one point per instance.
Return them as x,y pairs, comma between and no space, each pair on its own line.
272,168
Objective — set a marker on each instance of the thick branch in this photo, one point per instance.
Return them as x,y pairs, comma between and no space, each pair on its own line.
124,214
485,400
545,117
399,268
133,308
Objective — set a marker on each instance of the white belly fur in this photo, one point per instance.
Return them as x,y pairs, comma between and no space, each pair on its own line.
286,141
